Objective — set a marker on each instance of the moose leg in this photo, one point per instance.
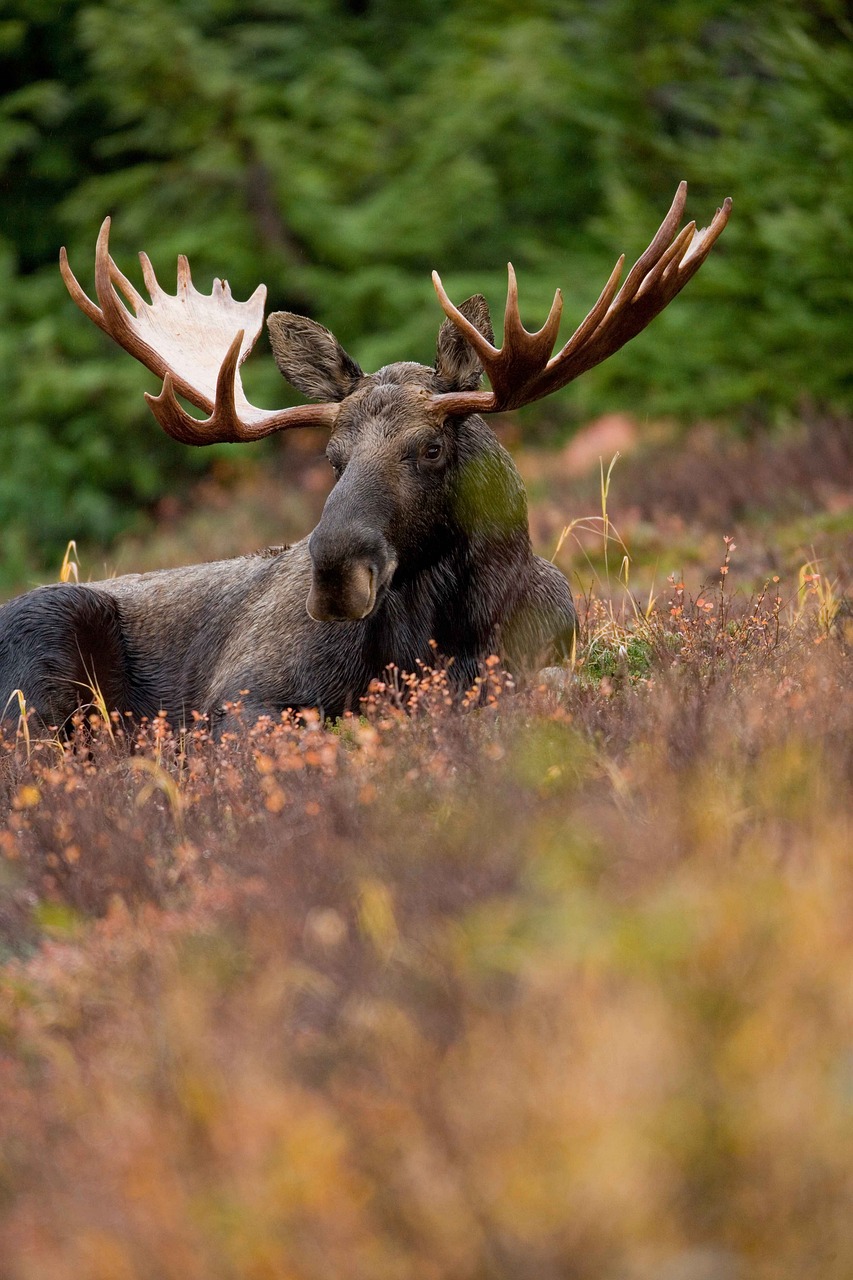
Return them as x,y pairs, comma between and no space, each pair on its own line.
540,630
62,647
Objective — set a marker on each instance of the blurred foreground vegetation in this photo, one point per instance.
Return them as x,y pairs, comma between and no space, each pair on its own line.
555,987
341,151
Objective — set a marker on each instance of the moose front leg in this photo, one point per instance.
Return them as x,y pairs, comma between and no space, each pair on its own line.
541,628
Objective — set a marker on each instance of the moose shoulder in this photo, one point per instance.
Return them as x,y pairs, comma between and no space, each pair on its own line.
422,548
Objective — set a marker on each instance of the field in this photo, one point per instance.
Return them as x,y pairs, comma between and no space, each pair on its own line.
554,986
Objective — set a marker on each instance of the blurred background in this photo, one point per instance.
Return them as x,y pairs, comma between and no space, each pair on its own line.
341,151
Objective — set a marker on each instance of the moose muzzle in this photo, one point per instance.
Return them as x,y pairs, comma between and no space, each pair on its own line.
349,573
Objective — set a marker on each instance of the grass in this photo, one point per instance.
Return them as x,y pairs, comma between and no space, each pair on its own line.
558,986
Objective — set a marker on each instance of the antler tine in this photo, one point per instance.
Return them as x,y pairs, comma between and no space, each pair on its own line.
116,316
185,280
672,258
481,345
593,318
131,293
195,342
704,240
660,243
515,333
152,284
78,294
522,372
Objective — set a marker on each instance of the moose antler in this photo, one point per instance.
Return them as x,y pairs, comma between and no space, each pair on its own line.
195,342
523,370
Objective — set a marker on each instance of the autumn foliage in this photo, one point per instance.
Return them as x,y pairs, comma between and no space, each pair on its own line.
554,986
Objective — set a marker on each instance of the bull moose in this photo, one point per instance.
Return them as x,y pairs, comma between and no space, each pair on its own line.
422,548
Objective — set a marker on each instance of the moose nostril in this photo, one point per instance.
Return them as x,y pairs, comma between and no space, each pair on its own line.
346,593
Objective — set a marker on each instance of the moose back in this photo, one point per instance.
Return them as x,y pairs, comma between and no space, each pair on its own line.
422,550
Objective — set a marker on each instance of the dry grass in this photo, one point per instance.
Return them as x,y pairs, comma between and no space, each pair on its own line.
556,987
785,499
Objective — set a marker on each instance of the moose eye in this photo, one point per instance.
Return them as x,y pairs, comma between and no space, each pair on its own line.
433,451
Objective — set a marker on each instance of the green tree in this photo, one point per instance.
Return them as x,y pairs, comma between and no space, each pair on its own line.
341,151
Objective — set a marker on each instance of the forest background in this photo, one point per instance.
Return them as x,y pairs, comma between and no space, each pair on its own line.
341,151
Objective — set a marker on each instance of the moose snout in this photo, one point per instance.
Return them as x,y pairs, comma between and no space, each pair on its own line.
347,575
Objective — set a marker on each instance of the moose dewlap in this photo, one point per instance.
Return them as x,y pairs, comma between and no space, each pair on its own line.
422,552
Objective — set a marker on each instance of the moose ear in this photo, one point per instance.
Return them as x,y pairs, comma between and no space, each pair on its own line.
456,362
311,358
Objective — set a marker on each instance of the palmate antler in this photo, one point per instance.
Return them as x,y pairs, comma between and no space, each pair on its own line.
523,369
195,342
